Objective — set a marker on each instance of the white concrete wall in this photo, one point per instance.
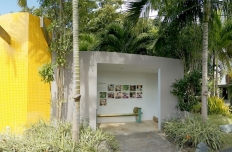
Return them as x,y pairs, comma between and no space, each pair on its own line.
223,80
169,71
148,103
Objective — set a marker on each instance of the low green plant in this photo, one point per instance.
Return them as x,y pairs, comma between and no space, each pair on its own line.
193,130
196,108
217,105
54,137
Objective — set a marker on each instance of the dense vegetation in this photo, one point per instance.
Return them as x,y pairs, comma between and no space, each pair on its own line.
53,137
190,131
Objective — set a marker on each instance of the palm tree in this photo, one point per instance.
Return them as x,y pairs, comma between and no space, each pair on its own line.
125,39
76,74
220,47
88,41
183,12
205,60
22,3
182,44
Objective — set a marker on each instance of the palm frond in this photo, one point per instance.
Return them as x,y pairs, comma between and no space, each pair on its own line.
135,9
22,3
88,42
123,38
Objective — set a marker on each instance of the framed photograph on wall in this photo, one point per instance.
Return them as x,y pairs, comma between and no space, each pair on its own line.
132,87
132,94
102,94
103,102
125,95
118,95
139,88
118,87
110,95
125,88
139,95
110,87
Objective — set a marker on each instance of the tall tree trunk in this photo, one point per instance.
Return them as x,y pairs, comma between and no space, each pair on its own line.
76,74
60,68
204,95
58,93
216,78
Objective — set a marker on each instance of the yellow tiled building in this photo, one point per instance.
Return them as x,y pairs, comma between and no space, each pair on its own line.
23,96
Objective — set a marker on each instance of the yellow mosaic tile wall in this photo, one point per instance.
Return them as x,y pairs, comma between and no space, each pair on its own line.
38,54
23,97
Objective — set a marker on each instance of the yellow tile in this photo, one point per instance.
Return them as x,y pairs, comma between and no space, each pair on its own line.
21,88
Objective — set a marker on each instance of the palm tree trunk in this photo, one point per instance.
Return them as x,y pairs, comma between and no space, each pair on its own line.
76,75
204,95
216,78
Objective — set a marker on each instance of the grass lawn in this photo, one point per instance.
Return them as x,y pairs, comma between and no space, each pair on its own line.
222,120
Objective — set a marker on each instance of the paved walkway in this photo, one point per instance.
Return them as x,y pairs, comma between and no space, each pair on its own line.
129,127
144,142
138,137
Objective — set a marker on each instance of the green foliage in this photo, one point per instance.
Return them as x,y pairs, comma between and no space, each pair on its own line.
88,42
192,130
183,44
46,73
187,91
105,14
22,3
60,13
217,106
43,136
196,108
89,139
126,39
219,119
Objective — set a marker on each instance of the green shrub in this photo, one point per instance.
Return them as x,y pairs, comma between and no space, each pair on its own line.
47,137
192,130
187,90
217,106
196,108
